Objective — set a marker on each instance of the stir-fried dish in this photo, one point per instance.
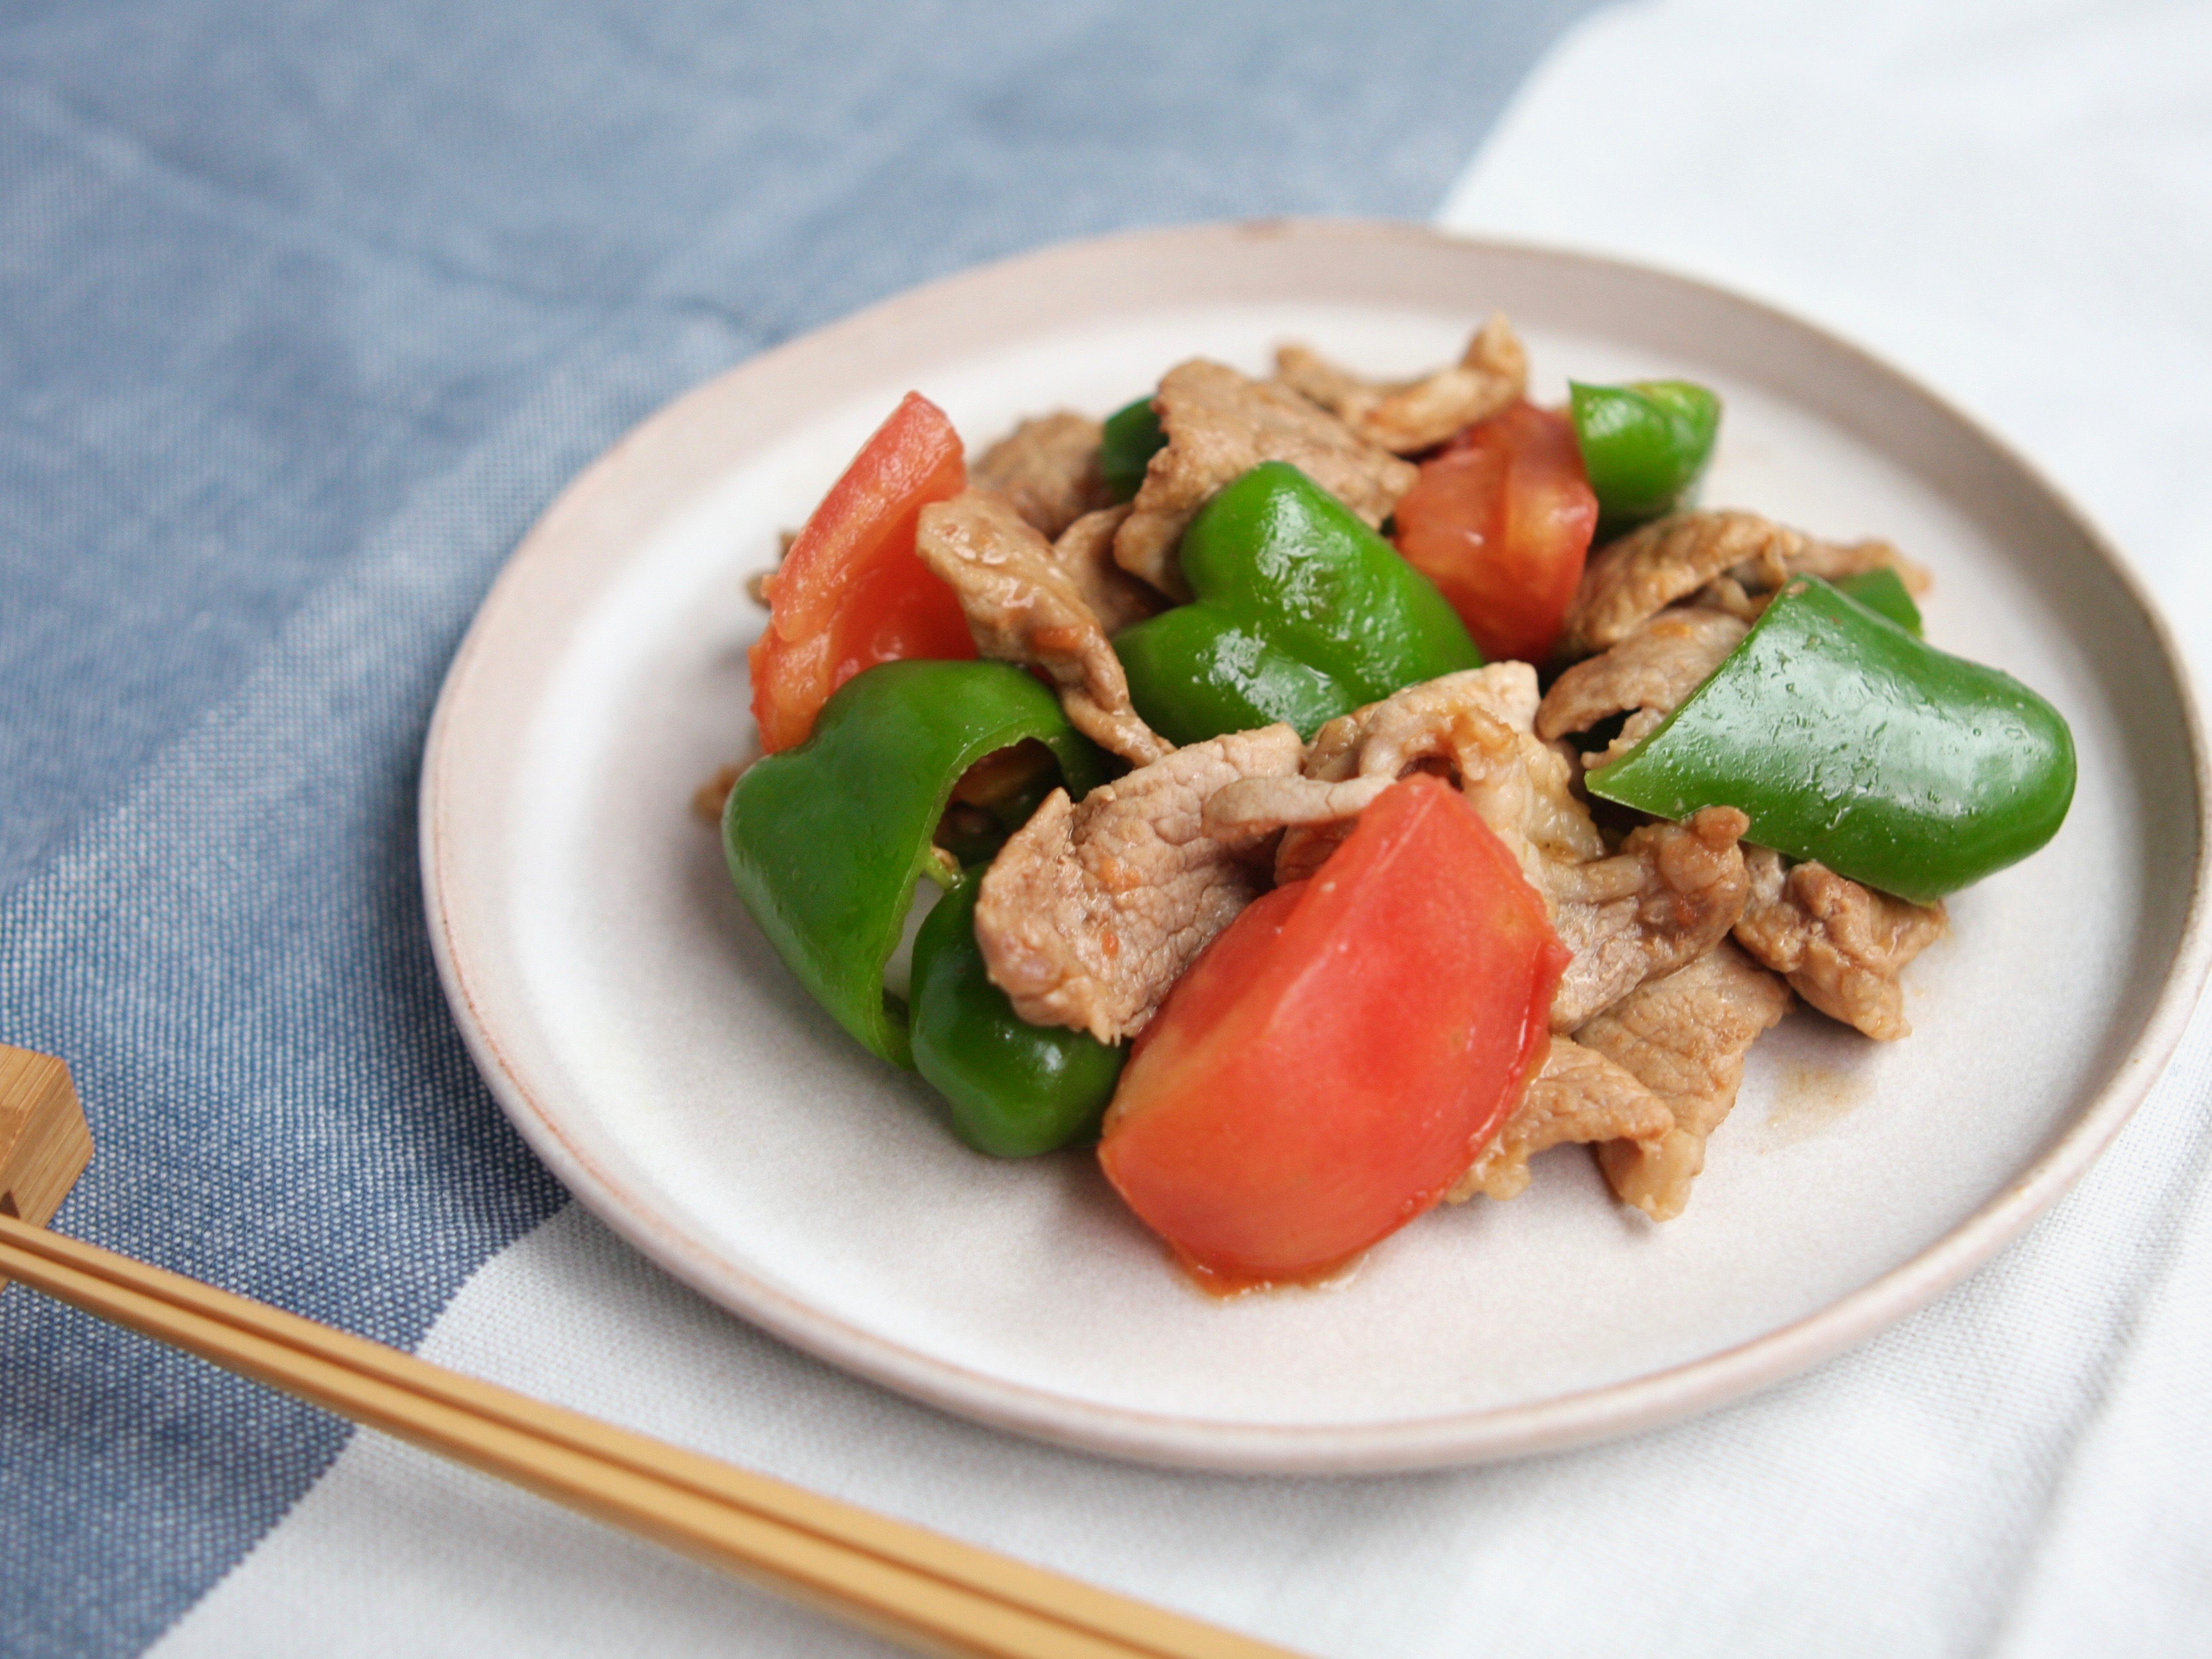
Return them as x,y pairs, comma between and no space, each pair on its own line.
1342,792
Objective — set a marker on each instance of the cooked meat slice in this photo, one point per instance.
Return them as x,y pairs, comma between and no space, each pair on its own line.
1578,1096
1670,894
1834,562
1727,593
1090,912
1336,389
1648,569
1421,720
1219,426
1253,808
1084,554
1476,725
1673,558
1431,719
1653,668
1048,467
1840,945
1482,722
1406,416
1684,1037
1523,788
1024,608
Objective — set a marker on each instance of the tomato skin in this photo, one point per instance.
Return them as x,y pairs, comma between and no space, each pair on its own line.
852,591
1342,1053
1501,522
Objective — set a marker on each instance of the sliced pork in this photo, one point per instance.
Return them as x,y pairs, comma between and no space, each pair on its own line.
1406,416
1652,671
1684,1037
1084,554
1024,607
1477,727
1840,945
1219,426
1048,468
1671,894
1635,578
1090,911
1578,1096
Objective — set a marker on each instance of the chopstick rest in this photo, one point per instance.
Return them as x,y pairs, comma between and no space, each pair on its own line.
44,1141
930,1592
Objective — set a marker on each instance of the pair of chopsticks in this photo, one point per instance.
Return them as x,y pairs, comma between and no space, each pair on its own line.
919,1587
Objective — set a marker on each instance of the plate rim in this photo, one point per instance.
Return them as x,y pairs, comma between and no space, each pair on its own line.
1484,1435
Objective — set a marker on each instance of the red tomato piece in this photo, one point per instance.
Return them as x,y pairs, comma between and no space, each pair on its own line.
1501,522
1342,1053
852,591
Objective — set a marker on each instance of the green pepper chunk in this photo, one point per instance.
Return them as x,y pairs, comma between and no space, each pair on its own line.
1643,445
1016,1089
1133,437
825,842
1848,740
1303,613
1883,589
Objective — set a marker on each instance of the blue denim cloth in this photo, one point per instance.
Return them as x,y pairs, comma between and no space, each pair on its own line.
306,311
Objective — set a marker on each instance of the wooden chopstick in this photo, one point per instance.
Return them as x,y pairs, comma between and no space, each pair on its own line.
930,1592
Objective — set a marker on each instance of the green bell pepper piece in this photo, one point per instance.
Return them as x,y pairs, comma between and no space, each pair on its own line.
1016,1089
1133,437
1848,740
1643,445
1883,589
1303,613
825,842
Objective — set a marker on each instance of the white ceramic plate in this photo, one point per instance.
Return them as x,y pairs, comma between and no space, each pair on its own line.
650,1046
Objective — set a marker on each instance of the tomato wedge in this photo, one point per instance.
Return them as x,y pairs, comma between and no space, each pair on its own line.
1501,522
852,591
1341,1054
